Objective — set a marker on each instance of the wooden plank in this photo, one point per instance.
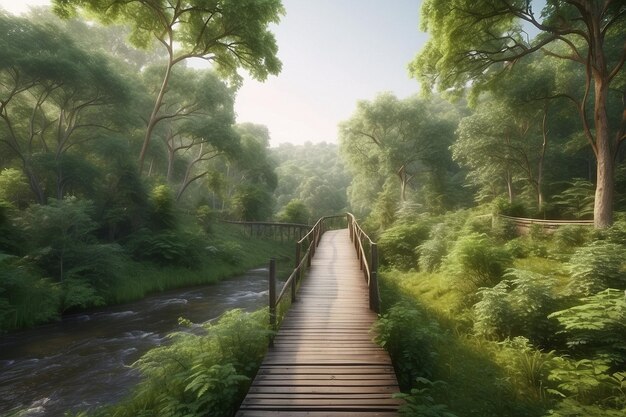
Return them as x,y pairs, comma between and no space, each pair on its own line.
324,362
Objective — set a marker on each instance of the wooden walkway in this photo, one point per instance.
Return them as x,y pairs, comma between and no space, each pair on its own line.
323,362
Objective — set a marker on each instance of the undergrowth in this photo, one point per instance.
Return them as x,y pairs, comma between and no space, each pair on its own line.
489,324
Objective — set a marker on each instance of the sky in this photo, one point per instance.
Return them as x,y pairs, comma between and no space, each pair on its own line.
334,53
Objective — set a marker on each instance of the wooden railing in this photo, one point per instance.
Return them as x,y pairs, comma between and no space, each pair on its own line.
305,250
367,252
274,230
523,225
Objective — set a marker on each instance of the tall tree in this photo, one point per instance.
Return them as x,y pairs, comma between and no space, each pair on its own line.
231,34
54,97
389,136
473,41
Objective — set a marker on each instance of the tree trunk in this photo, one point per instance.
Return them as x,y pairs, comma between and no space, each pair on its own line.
155,111
605,151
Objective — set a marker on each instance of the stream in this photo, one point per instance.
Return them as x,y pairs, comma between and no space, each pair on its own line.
83,360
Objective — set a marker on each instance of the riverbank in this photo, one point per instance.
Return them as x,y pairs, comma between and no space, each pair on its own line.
83,361
227,251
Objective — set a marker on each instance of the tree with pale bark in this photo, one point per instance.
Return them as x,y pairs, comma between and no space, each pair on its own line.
475,41
230,34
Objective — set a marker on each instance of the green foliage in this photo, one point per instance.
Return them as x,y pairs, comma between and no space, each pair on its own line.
295,212
14,187
517,306
503,206
577,200
205,217
568,237
596,325
528,366
398,244
200,375
596,267
408,335
163,216
589,381
433,250
168,247
252,202
477,262
420,402
26,298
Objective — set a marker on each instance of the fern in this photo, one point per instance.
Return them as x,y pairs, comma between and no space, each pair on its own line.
597,325
596,267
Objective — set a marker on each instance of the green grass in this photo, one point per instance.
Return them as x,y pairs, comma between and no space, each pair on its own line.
477,380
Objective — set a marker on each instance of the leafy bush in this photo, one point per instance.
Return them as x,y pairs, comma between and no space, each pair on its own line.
398,244
597,325
614,234
205,218
477,262
577,199
589,381
167,247
420,402
295,212
596,267
433,251
163,216
493,313
503,206
408,335
528,367
200,375
569,237
517,306
26,299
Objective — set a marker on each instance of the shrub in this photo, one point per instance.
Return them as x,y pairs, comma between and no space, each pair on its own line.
569,237
167,248
596,325
205,218
517,306
432,251
398,244
477,262
408,335
200,375
26,299
513,209
163,216
493,313
597,266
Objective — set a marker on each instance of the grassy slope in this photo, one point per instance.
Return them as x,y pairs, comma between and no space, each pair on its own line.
477,381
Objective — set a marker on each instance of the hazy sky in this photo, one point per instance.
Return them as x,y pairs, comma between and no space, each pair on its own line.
334,52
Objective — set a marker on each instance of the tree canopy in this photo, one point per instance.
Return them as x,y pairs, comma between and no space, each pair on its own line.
476,41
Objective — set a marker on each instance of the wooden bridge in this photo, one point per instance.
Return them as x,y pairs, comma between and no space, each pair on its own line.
323,362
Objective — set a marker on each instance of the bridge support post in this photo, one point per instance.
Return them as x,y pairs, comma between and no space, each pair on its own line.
272,297
373,284
296,279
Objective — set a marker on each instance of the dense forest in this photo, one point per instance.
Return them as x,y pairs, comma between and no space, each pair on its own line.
118,161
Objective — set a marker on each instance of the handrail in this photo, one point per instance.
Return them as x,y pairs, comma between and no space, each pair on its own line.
368,263
263,226
524,220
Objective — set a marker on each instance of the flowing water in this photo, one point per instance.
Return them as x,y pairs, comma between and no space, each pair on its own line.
83,360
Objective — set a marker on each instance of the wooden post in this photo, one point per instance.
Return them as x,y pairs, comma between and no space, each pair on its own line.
296,278
373,284
272,297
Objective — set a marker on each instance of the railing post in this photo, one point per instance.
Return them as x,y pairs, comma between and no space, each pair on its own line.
373,287
272,296
294,283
